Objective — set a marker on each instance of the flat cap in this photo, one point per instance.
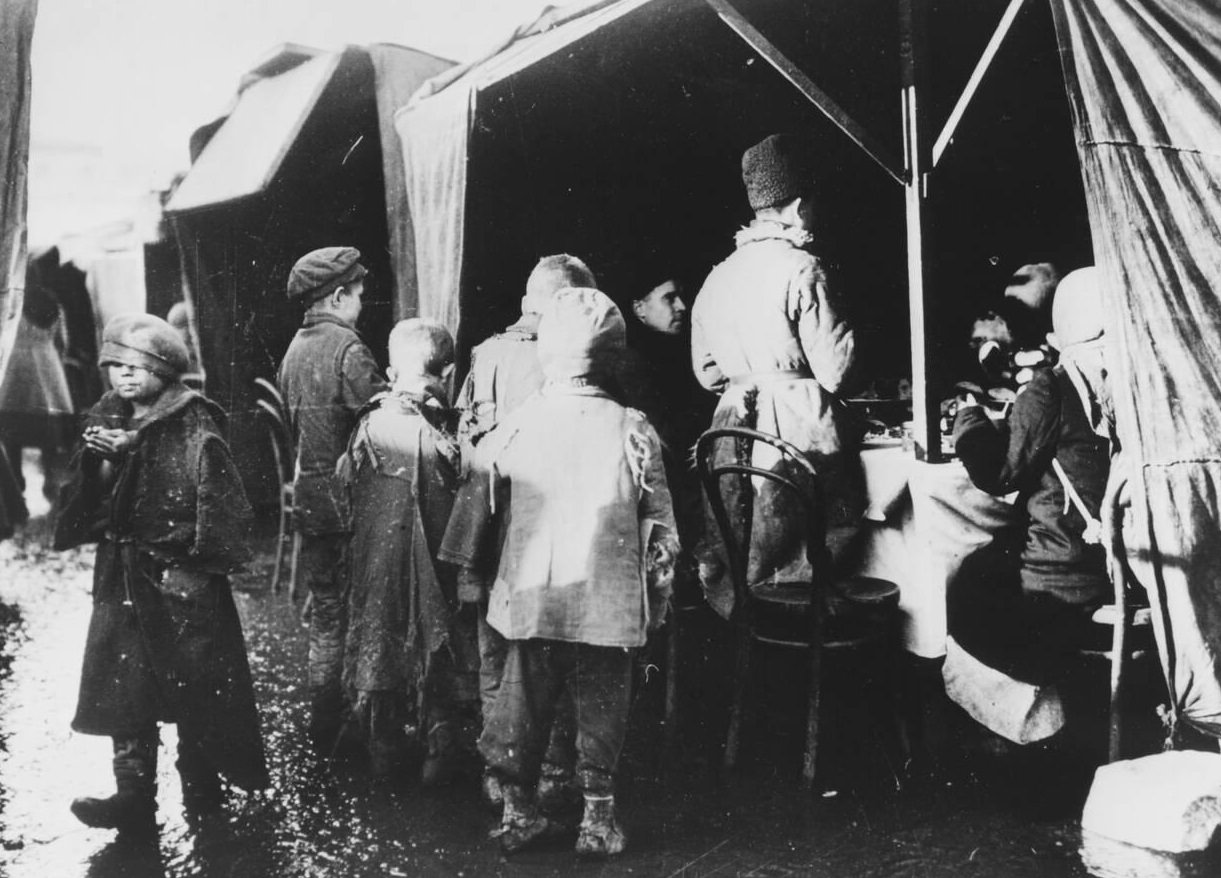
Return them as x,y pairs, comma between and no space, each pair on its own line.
319,272
777,169
146,341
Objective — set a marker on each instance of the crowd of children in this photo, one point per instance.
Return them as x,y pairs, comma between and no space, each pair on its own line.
524,542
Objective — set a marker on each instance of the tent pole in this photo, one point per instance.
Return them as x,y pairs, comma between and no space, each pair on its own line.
912,47
977,76
819,98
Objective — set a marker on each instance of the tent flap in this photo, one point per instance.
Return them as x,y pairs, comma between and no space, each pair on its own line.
1144,83
243,156
16,31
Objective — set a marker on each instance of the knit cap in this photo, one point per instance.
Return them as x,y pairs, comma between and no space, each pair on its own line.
581,333
320,272
146,341
777,169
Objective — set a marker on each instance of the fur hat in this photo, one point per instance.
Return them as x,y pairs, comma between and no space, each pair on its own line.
581,333
319,272
1077,310
777,169
146,341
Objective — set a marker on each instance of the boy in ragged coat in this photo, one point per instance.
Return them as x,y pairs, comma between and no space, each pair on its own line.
573,501
402,469
156,487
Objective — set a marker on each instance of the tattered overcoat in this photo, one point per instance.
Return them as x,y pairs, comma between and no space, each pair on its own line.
165,642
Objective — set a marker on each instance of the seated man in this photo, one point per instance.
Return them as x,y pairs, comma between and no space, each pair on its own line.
1054,451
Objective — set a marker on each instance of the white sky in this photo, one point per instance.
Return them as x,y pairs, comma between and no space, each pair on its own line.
119,85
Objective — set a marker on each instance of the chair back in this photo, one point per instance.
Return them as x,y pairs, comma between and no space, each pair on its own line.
281,440
736,524
265,389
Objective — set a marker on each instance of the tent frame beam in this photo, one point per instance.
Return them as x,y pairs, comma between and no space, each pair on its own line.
819,98
977,75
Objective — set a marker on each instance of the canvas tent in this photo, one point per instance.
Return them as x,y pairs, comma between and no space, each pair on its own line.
16,31
612,129
307,157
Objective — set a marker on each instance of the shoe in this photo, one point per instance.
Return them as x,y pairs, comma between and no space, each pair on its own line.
520,824
125,811
601,835
558,794
441,764
493,795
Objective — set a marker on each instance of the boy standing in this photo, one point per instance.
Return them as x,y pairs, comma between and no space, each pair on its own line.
573,494
402,469
155,484
327,375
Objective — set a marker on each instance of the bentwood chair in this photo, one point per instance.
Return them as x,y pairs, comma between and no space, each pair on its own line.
829,613
1129,617
272,411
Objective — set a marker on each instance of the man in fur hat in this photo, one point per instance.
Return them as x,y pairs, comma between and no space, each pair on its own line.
327,376
768,335
156,487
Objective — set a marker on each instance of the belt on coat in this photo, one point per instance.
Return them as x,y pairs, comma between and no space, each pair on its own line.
757,378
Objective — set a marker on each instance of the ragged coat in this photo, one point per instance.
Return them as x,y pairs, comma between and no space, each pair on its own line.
566,493
165,642
401,469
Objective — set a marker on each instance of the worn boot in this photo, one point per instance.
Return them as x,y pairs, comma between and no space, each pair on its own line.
558,795
132,809
201,790
520,823
601,835
493,795
441,764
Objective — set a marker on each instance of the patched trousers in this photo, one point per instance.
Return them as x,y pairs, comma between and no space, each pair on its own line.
537,675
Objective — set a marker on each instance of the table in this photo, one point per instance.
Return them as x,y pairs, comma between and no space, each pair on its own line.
922,520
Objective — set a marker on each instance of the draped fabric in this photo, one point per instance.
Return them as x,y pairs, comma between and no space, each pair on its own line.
435,135
16,30
1144,84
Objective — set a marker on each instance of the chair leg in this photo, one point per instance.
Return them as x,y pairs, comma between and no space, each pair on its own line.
292,567
810,760
275,579
671,718
741,674
1119,648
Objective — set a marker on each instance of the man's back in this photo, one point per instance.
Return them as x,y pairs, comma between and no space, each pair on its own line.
504,373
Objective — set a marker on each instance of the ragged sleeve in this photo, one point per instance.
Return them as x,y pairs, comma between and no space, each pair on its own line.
828,342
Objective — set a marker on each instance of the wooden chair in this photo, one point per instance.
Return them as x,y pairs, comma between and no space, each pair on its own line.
1130,621
865,607
271,410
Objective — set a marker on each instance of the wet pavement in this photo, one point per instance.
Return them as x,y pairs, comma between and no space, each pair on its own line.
968,813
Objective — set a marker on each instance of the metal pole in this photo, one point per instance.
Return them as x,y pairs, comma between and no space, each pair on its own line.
918,162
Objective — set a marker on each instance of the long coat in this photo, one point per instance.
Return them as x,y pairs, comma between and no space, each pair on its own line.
165,642
768,335
402,468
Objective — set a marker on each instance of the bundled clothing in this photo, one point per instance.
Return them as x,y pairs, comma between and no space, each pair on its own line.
1047,450
577,482
402,468
165,642
767,334
504,373
326,377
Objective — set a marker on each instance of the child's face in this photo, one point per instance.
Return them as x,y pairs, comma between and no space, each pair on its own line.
135,383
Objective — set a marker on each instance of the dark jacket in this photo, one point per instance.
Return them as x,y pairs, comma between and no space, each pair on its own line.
504,372
1047,422
327,375
165,642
